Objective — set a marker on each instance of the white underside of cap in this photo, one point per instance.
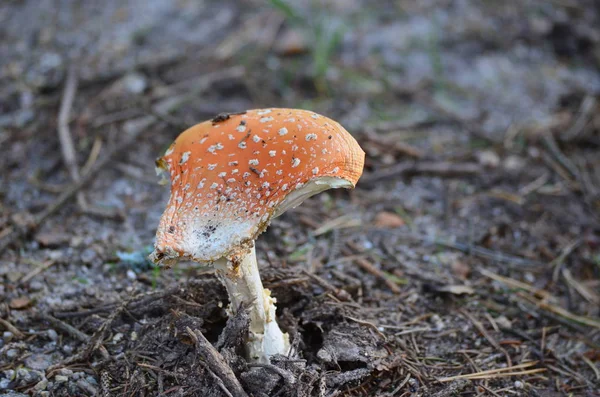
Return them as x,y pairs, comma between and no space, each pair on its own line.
316,185
210,236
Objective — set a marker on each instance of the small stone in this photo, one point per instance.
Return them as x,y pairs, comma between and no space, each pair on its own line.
135,83
488,158
4,383
41,385
60,379
518,384
7,336
88,255
514,164
65,372
52,335
437,322
36,285
324,356
91,380
503,322
39,361
529,277
131,274
12,353
117,338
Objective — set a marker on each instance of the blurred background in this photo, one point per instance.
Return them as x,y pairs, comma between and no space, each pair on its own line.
476,223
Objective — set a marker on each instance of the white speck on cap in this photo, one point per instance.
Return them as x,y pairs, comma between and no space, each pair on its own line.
256,138
185,157
241,128
212,167
283,131
265,119
253,162
310,137
315,170
272,153
242,145
222,174
263,112
295,162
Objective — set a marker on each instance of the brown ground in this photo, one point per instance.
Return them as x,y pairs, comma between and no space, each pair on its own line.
466,262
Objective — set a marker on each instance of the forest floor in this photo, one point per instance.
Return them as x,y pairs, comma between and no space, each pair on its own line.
465,263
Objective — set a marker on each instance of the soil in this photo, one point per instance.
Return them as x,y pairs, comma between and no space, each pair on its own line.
465,263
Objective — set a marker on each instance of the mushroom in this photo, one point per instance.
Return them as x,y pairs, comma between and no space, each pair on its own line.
230,176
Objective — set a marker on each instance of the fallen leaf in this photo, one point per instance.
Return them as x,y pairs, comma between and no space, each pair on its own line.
456,289
388,220
20,303
291,42
52,239
460,269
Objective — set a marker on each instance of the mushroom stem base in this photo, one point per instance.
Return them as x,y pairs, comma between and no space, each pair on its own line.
244,286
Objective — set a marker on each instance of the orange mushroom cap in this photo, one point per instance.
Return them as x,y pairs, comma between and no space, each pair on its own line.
231,175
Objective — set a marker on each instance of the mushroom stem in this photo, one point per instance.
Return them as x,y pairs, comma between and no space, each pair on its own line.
243,285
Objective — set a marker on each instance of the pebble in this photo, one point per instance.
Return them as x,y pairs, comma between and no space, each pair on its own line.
9,373
514,164
438,323
65,372
88,255
488,158
91,380
131,274
518,384
4,383
36,286
39,361
12,353
60,379
41,385
504,322
52,335
27,377
7,336
134,83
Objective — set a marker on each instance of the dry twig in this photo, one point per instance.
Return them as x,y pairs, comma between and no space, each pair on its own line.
515,370
216,365
64,133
